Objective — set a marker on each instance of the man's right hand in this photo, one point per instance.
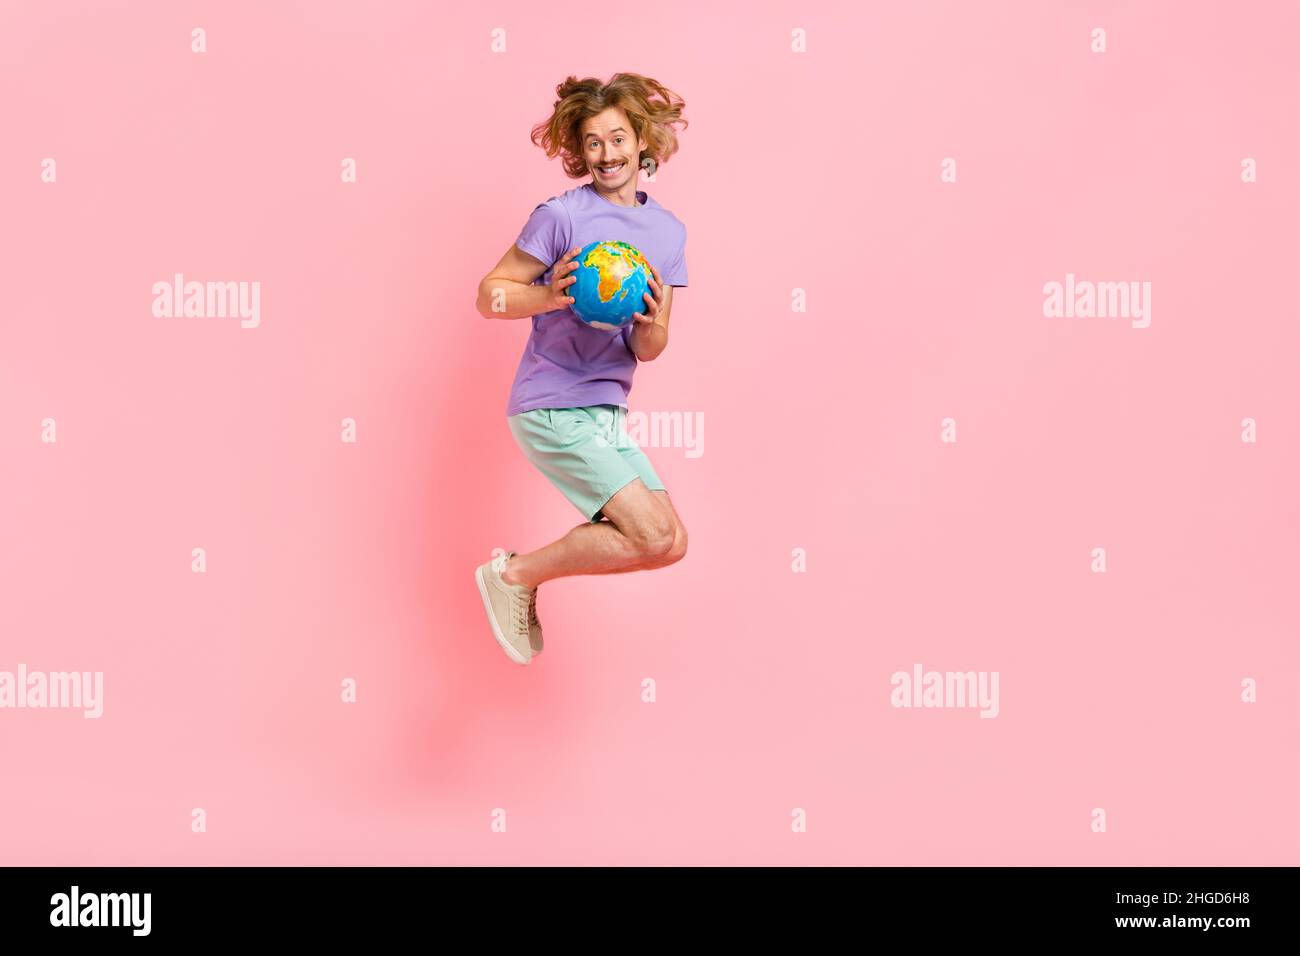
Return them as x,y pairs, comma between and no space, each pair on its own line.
561,278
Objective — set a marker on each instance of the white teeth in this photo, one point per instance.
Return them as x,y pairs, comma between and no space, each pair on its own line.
609,169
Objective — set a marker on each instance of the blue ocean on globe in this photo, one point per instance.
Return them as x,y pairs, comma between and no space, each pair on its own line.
612,278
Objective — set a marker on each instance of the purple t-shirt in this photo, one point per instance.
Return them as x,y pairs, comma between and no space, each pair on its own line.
566,363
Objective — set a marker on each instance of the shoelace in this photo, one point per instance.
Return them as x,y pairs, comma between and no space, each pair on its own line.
519,607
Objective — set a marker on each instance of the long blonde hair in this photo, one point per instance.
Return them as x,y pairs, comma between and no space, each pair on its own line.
652,108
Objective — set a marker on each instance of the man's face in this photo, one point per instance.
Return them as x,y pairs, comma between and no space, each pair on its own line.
610,148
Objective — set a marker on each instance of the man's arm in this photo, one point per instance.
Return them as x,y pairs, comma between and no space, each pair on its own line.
507,292
650,338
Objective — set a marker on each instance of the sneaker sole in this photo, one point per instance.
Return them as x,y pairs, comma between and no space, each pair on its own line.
506,646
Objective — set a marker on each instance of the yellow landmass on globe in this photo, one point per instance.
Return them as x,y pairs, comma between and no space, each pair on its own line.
613,262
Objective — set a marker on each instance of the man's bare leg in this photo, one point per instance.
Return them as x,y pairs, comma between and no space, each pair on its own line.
643,532
675,554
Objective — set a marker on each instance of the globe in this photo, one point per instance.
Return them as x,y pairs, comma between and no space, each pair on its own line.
612,278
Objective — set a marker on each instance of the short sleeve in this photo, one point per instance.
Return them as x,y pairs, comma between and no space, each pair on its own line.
545,235
674,269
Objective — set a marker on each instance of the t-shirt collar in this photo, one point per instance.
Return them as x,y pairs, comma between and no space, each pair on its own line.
639,194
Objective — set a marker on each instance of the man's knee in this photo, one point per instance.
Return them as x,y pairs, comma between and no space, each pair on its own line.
653,536
676,549
655,539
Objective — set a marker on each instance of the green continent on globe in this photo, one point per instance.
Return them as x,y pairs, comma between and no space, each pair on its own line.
613,262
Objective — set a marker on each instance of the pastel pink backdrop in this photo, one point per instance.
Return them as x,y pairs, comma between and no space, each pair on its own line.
818,171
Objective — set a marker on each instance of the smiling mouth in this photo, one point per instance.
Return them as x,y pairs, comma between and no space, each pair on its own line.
610,170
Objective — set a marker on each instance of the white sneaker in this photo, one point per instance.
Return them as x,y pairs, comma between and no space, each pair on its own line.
509,608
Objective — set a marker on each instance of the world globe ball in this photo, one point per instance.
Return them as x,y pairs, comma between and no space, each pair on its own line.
611,277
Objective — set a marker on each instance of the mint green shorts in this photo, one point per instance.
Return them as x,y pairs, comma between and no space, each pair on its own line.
585,452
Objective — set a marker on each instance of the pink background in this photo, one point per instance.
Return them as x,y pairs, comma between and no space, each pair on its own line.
817,171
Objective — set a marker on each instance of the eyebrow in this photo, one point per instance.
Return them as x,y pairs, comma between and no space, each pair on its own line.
616,130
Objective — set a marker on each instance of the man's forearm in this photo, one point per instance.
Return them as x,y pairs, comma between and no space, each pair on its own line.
647,342
507,299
